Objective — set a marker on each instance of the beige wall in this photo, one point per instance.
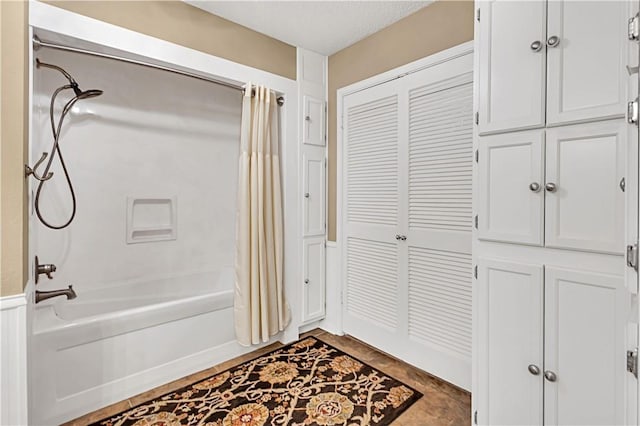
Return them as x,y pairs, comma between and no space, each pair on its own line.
13,143
174,21
434,28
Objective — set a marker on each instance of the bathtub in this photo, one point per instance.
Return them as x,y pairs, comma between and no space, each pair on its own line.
110,344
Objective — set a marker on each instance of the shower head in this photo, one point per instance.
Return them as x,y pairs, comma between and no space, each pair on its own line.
72,82
87,94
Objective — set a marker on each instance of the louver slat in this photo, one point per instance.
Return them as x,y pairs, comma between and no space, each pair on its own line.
372,157
372,281
440,149
440,298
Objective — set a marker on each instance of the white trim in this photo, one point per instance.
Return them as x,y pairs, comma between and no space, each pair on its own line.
13,360
412,67
12,302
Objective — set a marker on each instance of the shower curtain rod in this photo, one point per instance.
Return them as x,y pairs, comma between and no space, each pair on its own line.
37,44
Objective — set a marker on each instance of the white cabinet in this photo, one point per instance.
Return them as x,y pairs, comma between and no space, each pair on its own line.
314,192
314,123
555,62
586,66
557,335
511,336
585,323
511,178
512,69
314,278
585,165
566,188
311,71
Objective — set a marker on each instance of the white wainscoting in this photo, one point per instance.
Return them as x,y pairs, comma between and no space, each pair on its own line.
13,360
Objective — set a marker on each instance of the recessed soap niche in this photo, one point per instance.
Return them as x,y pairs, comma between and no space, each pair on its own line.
151,219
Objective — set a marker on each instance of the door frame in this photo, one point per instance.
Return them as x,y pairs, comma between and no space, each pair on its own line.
396,73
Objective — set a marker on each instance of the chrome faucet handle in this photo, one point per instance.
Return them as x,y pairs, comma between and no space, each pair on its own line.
32,171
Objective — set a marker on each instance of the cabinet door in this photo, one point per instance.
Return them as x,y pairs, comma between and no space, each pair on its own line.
314,195
510,338
313,303
586,66
585,209
313,121
585,348
512,68
511,178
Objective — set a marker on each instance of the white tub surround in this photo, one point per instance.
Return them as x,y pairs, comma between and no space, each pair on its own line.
158,152
13,360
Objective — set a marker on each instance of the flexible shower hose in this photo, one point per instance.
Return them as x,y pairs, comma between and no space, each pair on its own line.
56,149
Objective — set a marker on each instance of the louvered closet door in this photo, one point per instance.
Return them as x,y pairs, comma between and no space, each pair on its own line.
372,209
408,165
439,165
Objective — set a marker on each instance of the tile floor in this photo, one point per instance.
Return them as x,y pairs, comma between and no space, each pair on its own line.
442,404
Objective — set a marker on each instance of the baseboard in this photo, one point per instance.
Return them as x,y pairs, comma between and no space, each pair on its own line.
13,360
333,308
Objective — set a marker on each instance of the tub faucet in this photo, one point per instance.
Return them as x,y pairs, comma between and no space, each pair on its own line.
44,295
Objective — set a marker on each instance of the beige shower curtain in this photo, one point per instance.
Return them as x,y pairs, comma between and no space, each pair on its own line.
260,307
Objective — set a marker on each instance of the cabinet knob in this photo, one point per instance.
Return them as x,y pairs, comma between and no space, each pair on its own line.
534,186
533,369
306,281
307,118
553,41
401,237
550,376
551,187
306,195
536,46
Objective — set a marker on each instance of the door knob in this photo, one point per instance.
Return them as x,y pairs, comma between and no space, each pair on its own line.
534,186
551,187
533,369
553,41
550,376
536,46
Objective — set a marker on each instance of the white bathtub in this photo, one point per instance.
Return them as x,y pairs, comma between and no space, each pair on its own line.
113,343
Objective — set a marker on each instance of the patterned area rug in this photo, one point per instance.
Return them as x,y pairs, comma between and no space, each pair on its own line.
305,383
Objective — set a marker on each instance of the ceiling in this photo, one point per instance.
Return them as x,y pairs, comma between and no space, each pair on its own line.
321,26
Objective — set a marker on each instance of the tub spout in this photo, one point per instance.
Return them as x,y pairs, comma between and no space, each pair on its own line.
44,295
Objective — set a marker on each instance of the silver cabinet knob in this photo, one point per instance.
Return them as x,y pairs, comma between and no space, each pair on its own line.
306,281
307,118
398,237
553,41
550,376
403,237
533,369
536,46
534,186
551,187
306,195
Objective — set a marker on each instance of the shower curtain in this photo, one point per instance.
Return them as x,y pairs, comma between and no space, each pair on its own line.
260,307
